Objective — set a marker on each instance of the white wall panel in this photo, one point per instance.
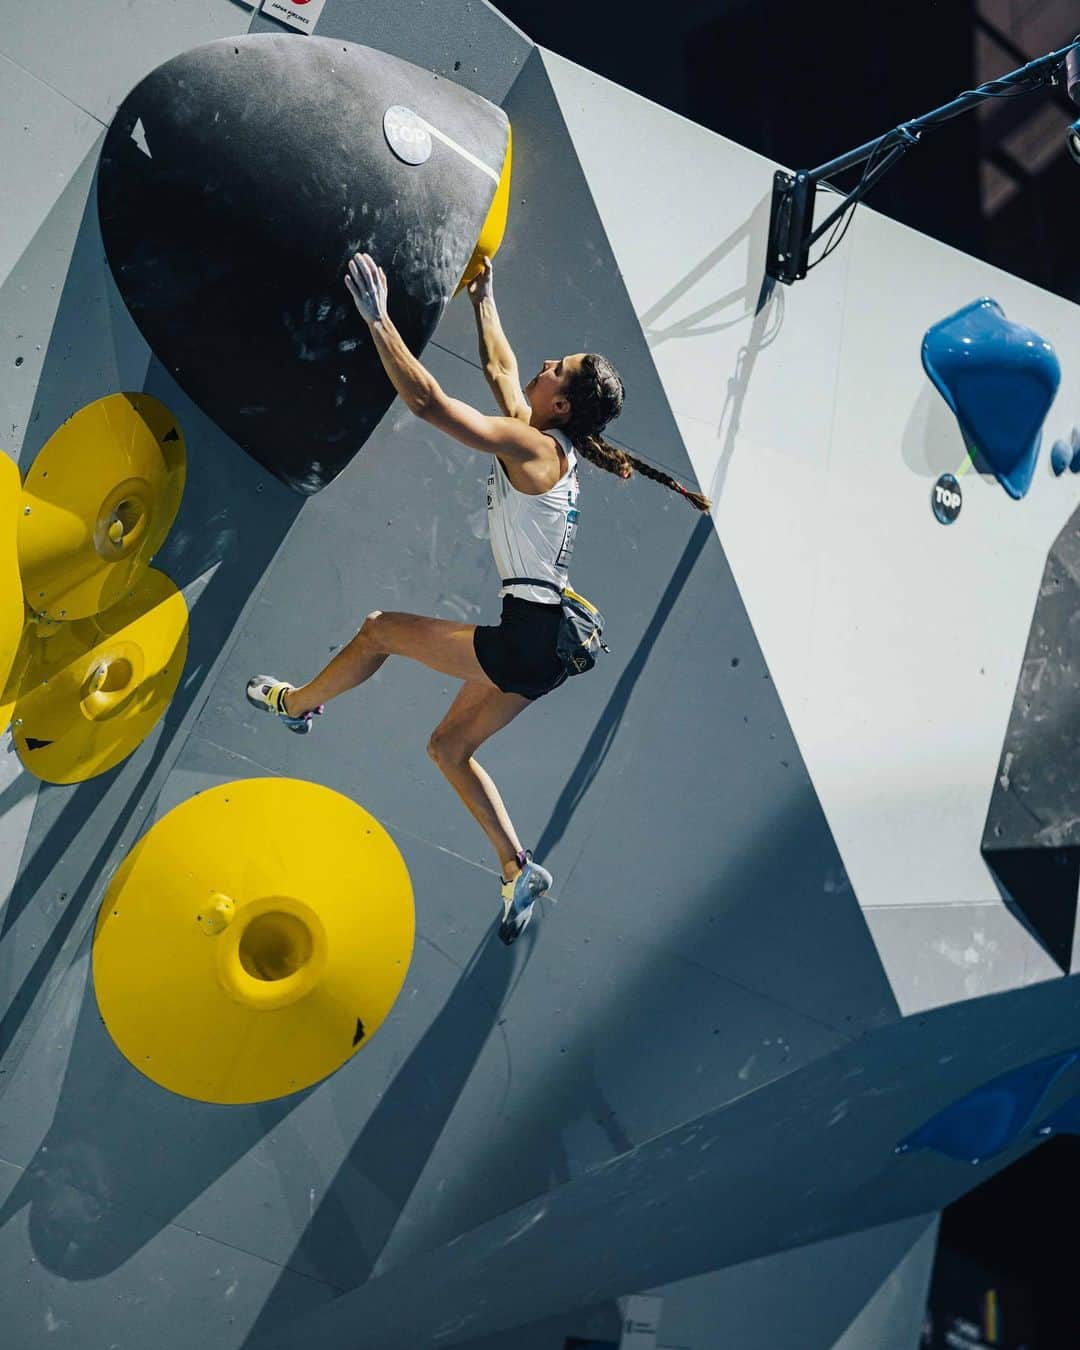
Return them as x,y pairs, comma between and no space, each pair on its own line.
895,643
686,213
94,51
919,630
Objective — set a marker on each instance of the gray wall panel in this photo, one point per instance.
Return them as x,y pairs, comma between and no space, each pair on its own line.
893,1318
95,54
47,128
67,337
181,1291
876,1282
803,1159
471,44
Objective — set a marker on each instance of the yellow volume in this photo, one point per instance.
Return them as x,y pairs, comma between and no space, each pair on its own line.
98,502
253,940
89,691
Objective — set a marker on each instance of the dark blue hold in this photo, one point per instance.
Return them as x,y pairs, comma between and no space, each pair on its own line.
1065,1120
1060,458
993,1116
1000,379
1074,463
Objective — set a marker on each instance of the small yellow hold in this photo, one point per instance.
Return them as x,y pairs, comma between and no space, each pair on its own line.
217,916
494,226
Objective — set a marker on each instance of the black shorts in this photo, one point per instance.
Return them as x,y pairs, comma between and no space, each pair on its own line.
518,654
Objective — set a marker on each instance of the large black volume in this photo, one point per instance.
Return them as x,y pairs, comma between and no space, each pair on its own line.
238,179
1032,835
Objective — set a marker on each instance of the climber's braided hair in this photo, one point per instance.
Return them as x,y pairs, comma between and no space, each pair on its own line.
596,396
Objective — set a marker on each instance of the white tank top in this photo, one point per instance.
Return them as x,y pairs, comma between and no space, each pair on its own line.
533,536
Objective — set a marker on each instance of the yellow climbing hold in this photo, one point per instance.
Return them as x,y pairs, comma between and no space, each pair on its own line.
94,688
253,940
494,226
98,501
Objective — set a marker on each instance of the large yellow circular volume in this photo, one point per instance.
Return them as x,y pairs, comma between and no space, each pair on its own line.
98,502
253,940
94,688
12,609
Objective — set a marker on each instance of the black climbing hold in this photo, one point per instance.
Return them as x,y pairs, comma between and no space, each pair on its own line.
32,743
1031,840
359,1032
229,243
171,435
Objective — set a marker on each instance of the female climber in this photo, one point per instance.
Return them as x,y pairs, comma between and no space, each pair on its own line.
532,495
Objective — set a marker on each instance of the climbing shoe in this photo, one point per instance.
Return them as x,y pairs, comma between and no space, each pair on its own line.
267,693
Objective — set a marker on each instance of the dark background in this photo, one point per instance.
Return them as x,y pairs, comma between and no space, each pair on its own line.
802,83
1014,1234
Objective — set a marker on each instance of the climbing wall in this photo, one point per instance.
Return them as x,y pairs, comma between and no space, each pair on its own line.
778,948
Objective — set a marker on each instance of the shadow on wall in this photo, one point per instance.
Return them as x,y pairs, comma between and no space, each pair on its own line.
599,743
932,444
231,521
758,296
118,1163
386,1159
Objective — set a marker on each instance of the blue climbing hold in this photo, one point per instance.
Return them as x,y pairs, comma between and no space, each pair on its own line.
991,1117
1000,379
1060,458
1074,441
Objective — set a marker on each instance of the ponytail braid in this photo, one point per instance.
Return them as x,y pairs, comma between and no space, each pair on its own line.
596,396
607,456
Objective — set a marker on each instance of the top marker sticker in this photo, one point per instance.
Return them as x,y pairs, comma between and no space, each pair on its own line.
299,14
